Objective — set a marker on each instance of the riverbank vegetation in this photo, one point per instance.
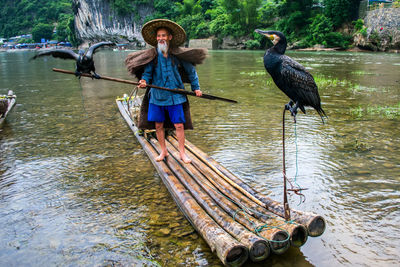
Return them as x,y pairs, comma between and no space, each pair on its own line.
43,18
306,23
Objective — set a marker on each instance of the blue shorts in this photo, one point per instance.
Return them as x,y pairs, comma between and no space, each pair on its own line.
157,113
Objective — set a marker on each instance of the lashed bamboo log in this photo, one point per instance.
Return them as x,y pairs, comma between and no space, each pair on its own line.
277,237
230,251
258,247
314,223
298,233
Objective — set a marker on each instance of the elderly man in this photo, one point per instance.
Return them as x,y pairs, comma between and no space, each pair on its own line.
162,68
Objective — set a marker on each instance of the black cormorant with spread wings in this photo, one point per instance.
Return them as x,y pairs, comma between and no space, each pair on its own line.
290,76
84,59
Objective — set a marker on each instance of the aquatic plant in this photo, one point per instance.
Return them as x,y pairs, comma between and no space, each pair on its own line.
268,81
323,81
357,145
361,72
357,88
389,112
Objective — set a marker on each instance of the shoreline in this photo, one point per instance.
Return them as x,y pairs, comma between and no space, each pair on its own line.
308,49
352,49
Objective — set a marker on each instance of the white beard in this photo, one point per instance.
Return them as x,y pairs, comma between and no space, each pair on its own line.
162,47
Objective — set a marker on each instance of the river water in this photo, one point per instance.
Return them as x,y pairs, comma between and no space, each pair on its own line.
76,188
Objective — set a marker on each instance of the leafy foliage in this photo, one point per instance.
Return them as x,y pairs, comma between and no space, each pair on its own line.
320,28
358,24
252,44
36,16
42,30
341,11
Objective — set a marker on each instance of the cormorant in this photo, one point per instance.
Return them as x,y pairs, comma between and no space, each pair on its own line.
84,60
290,76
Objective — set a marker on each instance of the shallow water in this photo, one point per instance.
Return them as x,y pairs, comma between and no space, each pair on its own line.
77,189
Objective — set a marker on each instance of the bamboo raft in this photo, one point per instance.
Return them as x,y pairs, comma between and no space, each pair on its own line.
7,102
236,221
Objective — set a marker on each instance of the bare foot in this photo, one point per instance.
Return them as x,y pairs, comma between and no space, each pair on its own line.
161,157
185,159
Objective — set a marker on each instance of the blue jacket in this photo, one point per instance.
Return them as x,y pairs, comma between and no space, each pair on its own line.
166,74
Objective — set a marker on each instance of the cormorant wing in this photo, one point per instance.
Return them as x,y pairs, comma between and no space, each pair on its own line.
58,53
298,79
293,63
92,49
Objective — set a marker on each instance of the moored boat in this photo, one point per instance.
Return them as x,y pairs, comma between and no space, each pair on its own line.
7,102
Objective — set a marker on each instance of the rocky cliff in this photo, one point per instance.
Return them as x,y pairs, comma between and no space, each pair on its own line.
383,30
95,20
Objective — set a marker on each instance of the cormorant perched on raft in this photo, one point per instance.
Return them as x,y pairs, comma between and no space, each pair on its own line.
84,60
290,76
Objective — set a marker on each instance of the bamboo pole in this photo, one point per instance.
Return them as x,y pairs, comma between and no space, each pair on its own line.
286,208
314,223
258,247
277,237
230,251
177,90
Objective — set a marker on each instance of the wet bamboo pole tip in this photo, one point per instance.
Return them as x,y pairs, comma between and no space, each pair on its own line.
280,243
316,226
298,235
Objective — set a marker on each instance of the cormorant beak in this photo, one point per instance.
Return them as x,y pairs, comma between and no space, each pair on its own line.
266,34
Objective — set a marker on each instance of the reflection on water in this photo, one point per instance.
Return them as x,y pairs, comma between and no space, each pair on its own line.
77,189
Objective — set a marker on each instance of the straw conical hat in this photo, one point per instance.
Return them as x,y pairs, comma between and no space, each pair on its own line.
149,32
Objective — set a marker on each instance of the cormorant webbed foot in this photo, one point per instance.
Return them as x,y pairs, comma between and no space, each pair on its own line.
293,111
78,74
289,105
96,76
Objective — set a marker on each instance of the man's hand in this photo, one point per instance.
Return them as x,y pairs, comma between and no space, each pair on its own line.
198,92
142,84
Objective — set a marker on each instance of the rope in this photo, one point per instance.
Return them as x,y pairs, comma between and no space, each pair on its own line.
83,100
135,90
302,196
293,188
256,229
285,201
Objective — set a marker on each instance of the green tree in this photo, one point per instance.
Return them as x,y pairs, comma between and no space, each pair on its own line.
62,29
164,9
294,18
71,33
232,8
20,16
123,7
218,20
249,10
42,30
340,11
267,13
320,27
